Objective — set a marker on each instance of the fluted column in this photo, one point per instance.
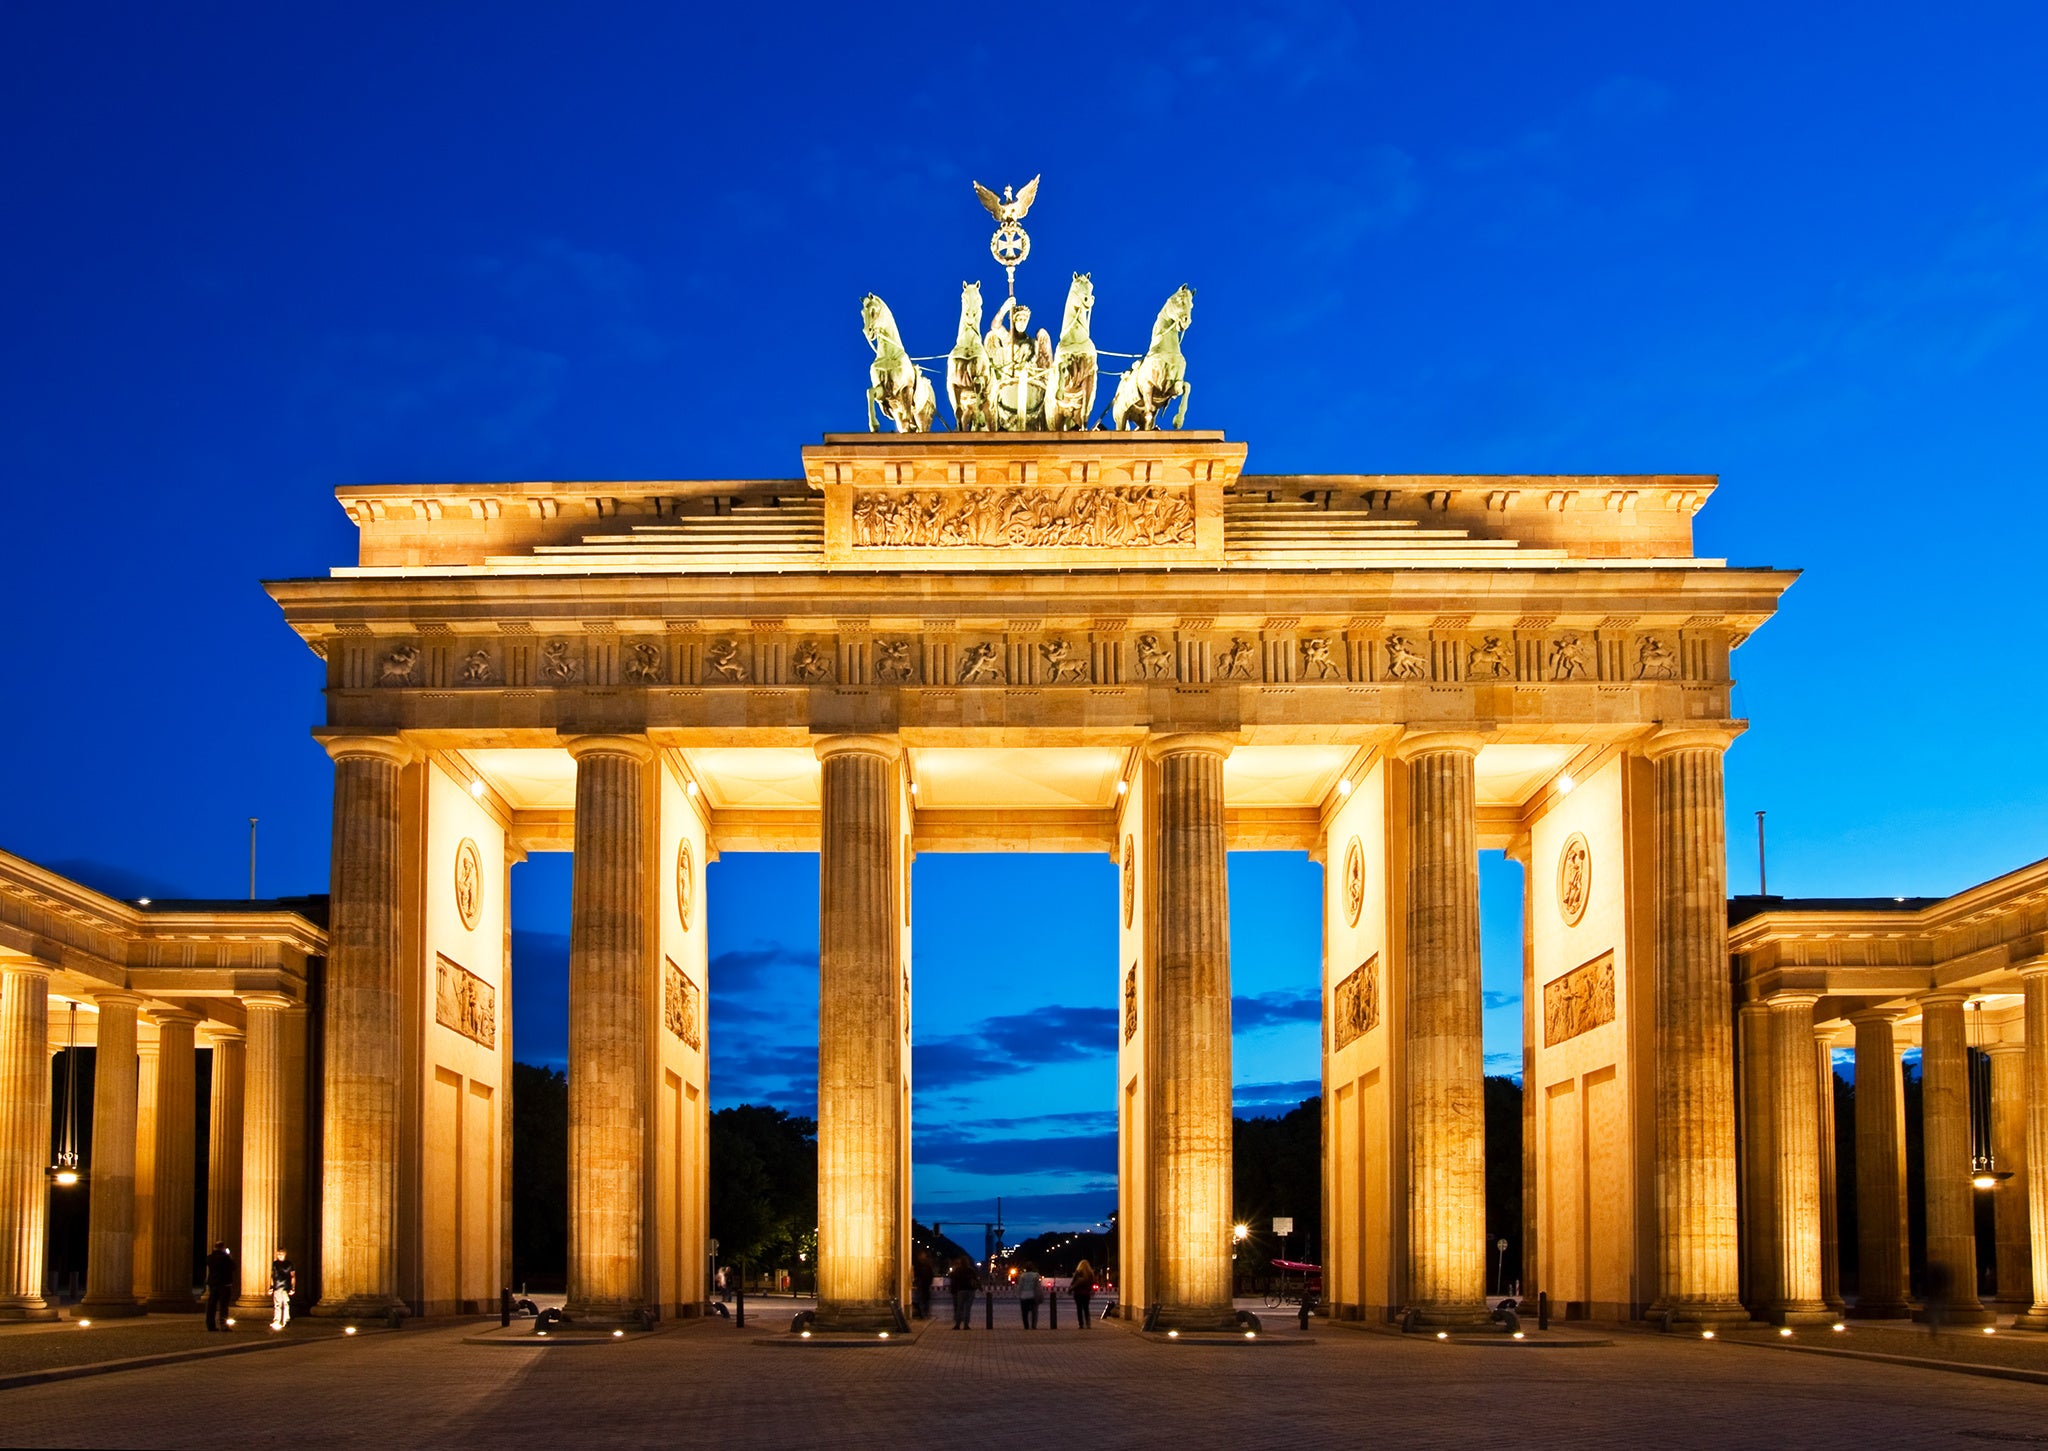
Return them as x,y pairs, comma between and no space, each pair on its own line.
1945,1154
24,1138
610,909
294,1232
1759,1160
1796,1154
1880,1171
263,1158
1442,1035
143,1255
1830,1208
2009,1208
2034,985
224,1140
860,1039
1695,1058
1189,1056
176,1162
110,1240
359,1139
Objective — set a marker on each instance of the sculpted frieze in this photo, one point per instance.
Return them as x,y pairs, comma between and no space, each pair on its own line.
556,665
1569,657
1404,661
643,663
1356,1010
981,664
477,669
1061,668
722,662
682,1007
1490,660
464,1003
400,667
811,664
1155,661
892,662
1316,663
1579,1001
1655,660
1103,517
1235,663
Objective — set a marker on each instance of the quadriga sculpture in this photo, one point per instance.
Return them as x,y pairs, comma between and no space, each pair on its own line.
902,393
1159,377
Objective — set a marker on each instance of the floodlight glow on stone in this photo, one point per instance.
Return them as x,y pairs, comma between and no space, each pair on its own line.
1786,1332
1565,783
352,1330
476,788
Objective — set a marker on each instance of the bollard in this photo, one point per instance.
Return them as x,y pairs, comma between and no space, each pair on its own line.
505,1308
739,1317
1543,1309
989,1307
1308,1303
1052,1303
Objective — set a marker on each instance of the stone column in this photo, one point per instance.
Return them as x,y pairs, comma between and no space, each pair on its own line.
24,1138
110,1252
145,1167
293,1231
263,1157
1830,1207
2009,1206
1695,1060
611,905
2034,984
1189,1055
176,1160
359,1141
1442,1035
861,1128
1945,1155
224,1140
1880,1171
1759,1161
1796,1155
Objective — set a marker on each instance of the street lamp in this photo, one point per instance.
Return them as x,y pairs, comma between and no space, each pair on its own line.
1240,1232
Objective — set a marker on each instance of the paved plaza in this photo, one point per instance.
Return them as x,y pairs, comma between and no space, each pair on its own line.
1108,1387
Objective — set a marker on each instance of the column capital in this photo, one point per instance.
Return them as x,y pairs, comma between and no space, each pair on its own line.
1942,997
1886,1016
1753,1006
638,747
1424,743
2000,1048
174,1017
268,1001
889,748
376,748
1669,739
27,966
2032,967
219,1033
1794,998
116,998
1182,743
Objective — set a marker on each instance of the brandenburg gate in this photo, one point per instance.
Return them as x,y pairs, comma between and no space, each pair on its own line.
1037,641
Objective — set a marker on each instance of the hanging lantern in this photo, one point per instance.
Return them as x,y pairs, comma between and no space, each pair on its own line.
1984,1170
65,1173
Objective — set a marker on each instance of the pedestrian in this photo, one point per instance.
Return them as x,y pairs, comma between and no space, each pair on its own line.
220,1287
283,1284
962,1285
1084,1290
922,1273
1030,1289
724,1287
1940,1289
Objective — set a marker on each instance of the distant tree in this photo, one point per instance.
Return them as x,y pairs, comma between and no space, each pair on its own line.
1278,1169
540,1177
764,1184
1503,1179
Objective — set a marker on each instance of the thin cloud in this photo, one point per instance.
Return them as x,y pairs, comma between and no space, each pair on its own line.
1274,1010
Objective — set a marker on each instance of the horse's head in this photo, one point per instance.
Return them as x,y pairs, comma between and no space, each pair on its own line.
1180,308
970,310
874,316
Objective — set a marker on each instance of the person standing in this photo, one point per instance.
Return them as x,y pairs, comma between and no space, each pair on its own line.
1084,1290
962,1284
283,1284
922,1274
220,1287
1030,1286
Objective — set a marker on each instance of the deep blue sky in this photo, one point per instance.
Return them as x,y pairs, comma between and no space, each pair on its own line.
252,252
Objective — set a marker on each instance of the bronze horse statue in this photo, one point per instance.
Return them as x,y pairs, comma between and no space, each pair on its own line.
1155,380
1073,361
903,394
967,373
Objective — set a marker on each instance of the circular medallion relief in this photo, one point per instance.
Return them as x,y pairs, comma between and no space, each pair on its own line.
1574,878
1130,880
469,882
686,883
1354,882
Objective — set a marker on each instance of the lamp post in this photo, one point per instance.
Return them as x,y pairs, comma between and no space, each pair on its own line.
1500,1273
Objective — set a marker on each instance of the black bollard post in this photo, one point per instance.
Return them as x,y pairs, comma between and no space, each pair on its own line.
988,1317
1543,1309
739,1317
1052,1299
505,1308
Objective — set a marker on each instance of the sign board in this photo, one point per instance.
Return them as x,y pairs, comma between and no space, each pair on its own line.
1283,1225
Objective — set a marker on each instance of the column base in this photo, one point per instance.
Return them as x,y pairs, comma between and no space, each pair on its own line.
1193,1318
608,1314
1703,1314
362,1307
867,1317
250,1307
1881,1310
1800,1314
1448,1317
1970,1314
2034,1319
27,1309
90,1308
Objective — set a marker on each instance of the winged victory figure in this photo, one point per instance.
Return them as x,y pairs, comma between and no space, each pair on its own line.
1005,208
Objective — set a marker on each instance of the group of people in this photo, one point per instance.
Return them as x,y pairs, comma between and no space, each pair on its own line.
220,1289
964,1282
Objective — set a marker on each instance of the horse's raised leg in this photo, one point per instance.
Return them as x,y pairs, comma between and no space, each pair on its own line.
1182,416
872,427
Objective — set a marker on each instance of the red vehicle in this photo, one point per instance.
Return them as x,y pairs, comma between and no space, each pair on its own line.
1296,1278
